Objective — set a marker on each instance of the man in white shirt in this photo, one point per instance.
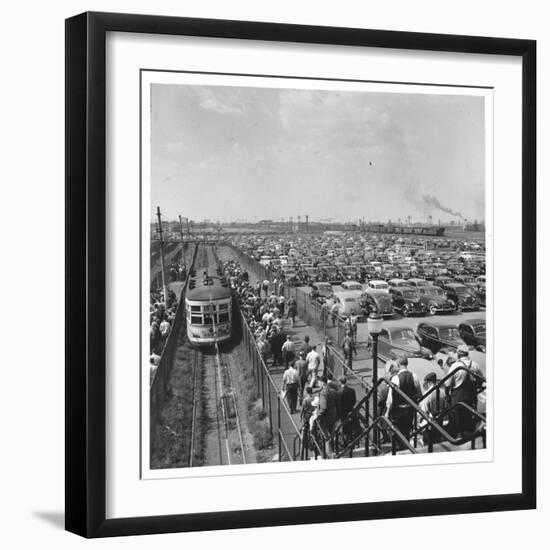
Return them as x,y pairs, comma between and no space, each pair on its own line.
288,350
313,362
290,387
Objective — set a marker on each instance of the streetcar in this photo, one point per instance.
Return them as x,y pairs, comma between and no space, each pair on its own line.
208,310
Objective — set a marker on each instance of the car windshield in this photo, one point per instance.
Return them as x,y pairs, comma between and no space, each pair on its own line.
479,329
461,290
432,291
410,294
349,300
354,287
448,333
403,334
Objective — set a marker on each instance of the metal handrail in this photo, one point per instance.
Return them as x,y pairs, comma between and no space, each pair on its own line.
366,399
448,376
365,434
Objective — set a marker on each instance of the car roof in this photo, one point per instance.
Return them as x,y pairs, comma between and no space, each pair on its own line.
473,322
375,292
346,294
439,325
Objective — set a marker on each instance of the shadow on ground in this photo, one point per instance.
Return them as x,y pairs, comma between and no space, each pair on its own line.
57,519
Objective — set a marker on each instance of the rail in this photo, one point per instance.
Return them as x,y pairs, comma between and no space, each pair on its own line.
431,424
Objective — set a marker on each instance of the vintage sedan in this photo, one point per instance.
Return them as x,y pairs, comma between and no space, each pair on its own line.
397,283
443,280
332,274
321,291
438,337
416,282
400,340
407,301
435,300
473,333
377,301
353,285
462,296
377,284
466,280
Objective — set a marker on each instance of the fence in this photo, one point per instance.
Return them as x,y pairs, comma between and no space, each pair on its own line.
281,423
159,384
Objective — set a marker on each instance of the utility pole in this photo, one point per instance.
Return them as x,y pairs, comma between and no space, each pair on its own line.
188,233
162,268
182,243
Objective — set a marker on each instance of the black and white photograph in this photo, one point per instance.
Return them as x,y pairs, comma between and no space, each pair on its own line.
316,271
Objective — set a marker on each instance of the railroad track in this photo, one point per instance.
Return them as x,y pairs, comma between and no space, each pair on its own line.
223,440
196,400
229,424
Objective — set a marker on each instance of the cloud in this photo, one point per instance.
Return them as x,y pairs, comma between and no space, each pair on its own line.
210,101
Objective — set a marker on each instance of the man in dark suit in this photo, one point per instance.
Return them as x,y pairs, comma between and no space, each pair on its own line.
347,400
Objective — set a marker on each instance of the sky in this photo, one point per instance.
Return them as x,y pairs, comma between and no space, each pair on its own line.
226,153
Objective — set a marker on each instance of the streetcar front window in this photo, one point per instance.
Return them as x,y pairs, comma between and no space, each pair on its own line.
196,320
224,317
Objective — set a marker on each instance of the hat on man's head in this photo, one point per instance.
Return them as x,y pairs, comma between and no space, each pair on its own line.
463,348
430,377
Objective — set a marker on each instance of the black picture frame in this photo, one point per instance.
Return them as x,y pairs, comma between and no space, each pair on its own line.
86,278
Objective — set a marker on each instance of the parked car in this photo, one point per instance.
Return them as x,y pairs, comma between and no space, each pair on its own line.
435,300
396,283
353,286
473,333
462,296
332,275
443,280
377,301
321,291
416,282
377,284
466,280
400,340
441,336
348,303
407,301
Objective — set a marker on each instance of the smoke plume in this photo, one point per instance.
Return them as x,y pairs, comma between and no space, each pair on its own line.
433,202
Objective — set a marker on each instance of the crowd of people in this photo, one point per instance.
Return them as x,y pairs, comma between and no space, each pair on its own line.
161,315
308,385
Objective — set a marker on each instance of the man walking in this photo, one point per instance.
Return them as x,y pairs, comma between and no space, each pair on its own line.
290,387
397,407
288,350
347,399
313,363
463,388
301,368
348,347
